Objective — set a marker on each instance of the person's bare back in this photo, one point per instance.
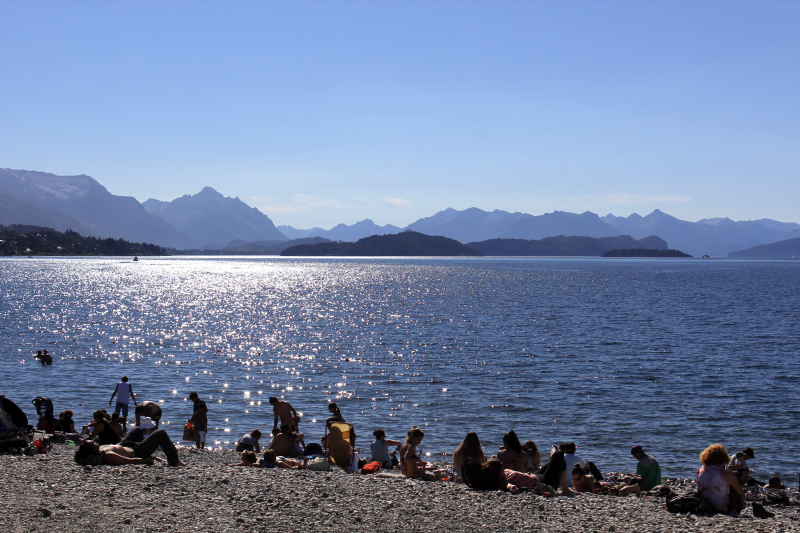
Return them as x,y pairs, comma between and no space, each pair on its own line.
283,444
283,411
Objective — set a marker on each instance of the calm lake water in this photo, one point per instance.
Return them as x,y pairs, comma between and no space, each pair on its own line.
670,354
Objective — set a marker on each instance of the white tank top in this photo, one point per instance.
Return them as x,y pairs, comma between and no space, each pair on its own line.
123,392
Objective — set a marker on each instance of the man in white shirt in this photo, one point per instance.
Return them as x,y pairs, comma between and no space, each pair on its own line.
569,449
124,392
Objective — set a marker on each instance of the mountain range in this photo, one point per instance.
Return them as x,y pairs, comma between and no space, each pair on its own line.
342,232
212,221
81,204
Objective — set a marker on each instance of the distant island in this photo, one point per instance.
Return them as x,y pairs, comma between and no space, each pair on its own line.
564,246
640,252
405,244
23,240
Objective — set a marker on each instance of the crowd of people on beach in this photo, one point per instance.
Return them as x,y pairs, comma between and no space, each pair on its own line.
515,467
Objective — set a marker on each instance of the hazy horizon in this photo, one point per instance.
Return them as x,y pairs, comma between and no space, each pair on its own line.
320,113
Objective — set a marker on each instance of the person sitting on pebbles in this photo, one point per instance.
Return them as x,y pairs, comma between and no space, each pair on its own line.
249,442
272,460
717,483
533,456
775,483
648,471
411,464
738,465
582,482
284,442
129,452
511,454
102,429
470,448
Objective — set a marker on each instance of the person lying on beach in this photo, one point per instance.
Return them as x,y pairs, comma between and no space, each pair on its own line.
470,449
283,411
272,460
249,458
716,483
583,482
128,452
149,409
492,476
511,454
380,450
411,464
533,455
249,442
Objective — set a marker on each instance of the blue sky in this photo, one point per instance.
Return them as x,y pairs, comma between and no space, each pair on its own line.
326,112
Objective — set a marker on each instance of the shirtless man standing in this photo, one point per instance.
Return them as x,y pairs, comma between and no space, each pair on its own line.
283,411
129,452
149,409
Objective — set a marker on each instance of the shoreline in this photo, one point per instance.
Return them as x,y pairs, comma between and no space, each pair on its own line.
207,495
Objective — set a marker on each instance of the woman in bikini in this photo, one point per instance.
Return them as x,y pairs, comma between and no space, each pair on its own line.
411,464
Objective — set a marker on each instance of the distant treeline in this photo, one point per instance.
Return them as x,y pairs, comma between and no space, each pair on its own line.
19,239
405,244
565,246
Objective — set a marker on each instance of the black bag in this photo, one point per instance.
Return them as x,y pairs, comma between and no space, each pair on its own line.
691,502
313,448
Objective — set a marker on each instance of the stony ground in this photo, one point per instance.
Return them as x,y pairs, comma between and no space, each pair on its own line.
51,493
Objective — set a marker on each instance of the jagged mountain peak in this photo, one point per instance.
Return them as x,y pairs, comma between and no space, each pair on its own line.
211,217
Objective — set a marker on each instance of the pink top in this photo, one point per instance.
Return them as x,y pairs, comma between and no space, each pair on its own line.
711,484
523,481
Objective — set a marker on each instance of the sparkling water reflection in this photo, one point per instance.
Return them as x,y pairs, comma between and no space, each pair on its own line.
670,354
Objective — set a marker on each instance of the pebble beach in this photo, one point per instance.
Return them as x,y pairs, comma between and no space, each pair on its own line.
52,493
